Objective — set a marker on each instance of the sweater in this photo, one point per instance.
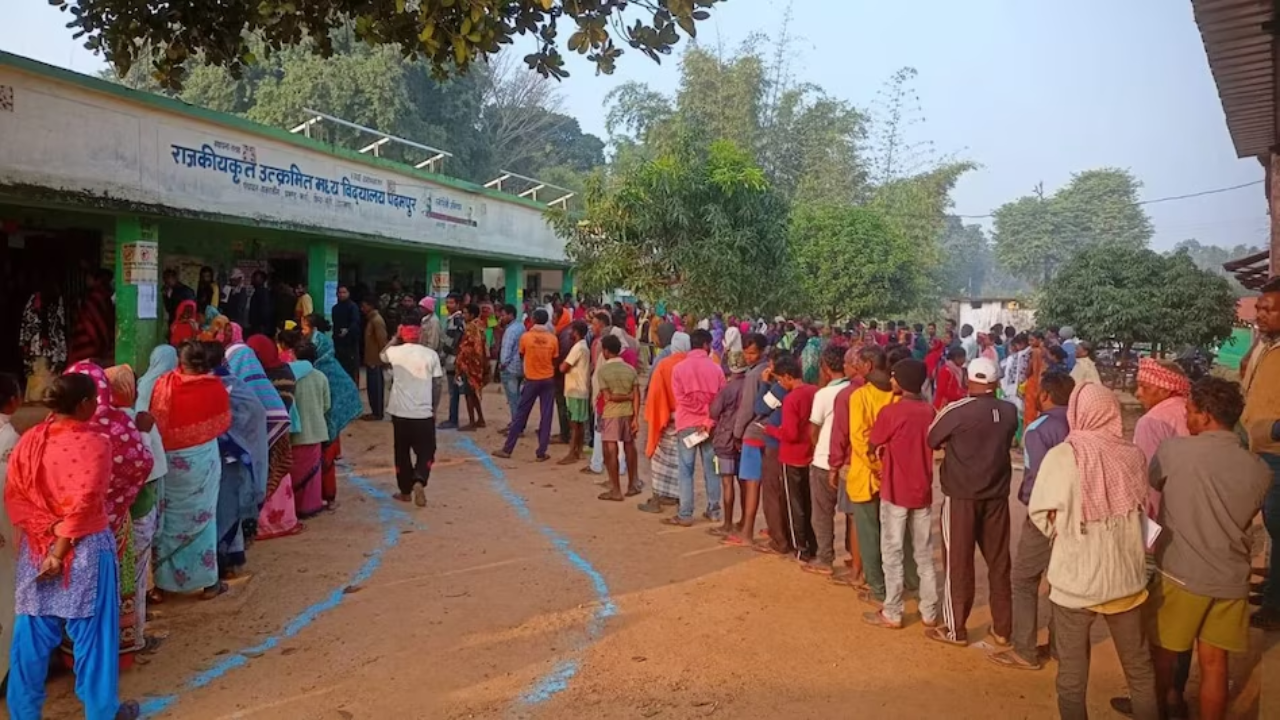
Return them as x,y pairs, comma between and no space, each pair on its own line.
795,446
723,410
311,398
1091,563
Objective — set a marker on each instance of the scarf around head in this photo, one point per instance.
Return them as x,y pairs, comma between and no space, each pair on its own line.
190,410
124,385
1151,372
1112,470
344,396
131,459
164,359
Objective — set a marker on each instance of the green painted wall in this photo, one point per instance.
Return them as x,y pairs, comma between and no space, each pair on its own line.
135,337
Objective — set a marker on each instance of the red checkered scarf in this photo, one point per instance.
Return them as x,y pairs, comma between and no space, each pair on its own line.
1113,471
1151,372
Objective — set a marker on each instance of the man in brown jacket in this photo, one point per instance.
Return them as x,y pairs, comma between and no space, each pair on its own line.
375,340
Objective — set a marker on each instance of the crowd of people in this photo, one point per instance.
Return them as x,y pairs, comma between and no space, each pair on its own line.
138,486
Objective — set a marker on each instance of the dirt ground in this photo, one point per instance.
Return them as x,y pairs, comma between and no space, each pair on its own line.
515,593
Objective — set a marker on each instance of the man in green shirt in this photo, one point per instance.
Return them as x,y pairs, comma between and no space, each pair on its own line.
619,385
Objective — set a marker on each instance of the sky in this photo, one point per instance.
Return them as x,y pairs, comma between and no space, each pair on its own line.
1031,91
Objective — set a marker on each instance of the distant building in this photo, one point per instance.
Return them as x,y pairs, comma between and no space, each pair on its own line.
983,313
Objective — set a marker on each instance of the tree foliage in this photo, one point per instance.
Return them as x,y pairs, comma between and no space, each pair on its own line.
1133,294
850,263
1036,235
1212,258
449,34
967,258
700,225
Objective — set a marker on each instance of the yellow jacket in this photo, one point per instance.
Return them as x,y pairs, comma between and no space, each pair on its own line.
863,479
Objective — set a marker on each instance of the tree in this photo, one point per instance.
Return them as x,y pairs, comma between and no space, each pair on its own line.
967,259
1212,258
698,224
850,262
1036,235
450,35
1131,294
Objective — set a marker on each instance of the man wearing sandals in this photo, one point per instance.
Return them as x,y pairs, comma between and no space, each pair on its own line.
695,384
620,421
976,433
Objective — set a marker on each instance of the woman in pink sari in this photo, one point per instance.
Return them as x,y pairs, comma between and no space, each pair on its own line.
131,464
268,373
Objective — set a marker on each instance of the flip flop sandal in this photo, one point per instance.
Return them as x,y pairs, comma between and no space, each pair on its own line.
767,549
878,619
610,497
735,541
939,635
677,522
718,531
1012,660
865,596
632,492
217,591
813,569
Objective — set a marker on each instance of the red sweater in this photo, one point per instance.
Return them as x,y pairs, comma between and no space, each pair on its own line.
795,446
949,389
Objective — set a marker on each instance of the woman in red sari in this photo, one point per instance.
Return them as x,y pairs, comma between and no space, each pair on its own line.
473,365
131,464
186,323
56,494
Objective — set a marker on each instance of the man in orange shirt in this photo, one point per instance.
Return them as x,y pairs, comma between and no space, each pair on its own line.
539,348
561,314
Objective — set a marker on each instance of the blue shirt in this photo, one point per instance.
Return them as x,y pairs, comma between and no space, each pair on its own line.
1041,436
509,360
1069,347
773,416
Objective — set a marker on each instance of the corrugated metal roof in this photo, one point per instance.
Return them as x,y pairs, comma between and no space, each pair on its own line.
1242,59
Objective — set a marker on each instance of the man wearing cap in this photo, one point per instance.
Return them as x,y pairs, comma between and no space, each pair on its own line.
235,303
976,434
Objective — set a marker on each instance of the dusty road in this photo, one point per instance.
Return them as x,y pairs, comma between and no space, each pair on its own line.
516,593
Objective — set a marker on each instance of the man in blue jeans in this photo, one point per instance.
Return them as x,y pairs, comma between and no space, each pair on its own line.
510,366
695,384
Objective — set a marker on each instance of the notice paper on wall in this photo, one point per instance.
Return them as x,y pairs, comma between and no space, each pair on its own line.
147,301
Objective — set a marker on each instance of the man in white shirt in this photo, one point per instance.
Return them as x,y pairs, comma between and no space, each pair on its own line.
412,410
576,369
832,380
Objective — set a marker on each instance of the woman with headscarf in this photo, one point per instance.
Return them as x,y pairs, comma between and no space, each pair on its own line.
1088,499
811,357
131,464
217,327
659,414
717,335
186,323
244,451
144,512
260,366
56,495
344,406
311,400
662,339
192,408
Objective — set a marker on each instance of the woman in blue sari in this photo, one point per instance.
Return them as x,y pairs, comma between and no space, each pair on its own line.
344,406
244,452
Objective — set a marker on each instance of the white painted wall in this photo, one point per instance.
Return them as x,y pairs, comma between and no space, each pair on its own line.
991,312
65,137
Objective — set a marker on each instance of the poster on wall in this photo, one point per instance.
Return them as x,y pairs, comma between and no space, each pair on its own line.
141,262
147,301
330,296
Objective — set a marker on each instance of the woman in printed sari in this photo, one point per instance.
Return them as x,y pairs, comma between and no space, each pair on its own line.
260,366
10,402
191,408
144,512
186,323
131,464
311,400
344,405
56,490
217,327
473,365
244,465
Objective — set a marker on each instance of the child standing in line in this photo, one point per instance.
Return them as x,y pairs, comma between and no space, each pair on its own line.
795,453
576,369
723,410
619,385
900,438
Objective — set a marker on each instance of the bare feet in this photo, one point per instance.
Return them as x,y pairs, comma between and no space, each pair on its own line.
610,495
569,460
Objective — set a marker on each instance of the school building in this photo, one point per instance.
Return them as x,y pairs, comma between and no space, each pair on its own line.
94,174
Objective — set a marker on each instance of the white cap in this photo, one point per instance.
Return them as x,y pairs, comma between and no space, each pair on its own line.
983,370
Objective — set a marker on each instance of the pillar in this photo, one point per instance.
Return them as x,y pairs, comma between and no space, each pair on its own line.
1273,201
567,288
322,275
139,303
513,279
438,281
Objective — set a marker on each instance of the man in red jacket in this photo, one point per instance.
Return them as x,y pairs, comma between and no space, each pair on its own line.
795,454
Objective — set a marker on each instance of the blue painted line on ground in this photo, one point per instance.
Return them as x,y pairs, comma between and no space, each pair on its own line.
391,519
556,681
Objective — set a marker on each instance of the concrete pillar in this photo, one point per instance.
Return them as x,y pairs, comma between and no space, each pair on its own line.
438,280
567,284
513,276
322,275
137,270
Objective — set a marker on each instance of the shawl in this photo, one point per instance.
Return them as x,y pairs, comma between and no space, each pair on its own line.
184,325
472,359
124,386
717,336
1112,470
344,397
660,404
733,339
131,457
190,410
164,359
267,351
680,343
242,363
72,496
248,431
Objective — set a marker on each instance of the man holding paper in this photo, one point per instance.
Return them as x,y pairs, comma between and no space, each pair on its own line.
695,384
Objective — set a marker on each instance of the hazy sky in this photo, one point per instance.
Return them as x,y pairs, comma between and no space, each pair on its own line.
1032,91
